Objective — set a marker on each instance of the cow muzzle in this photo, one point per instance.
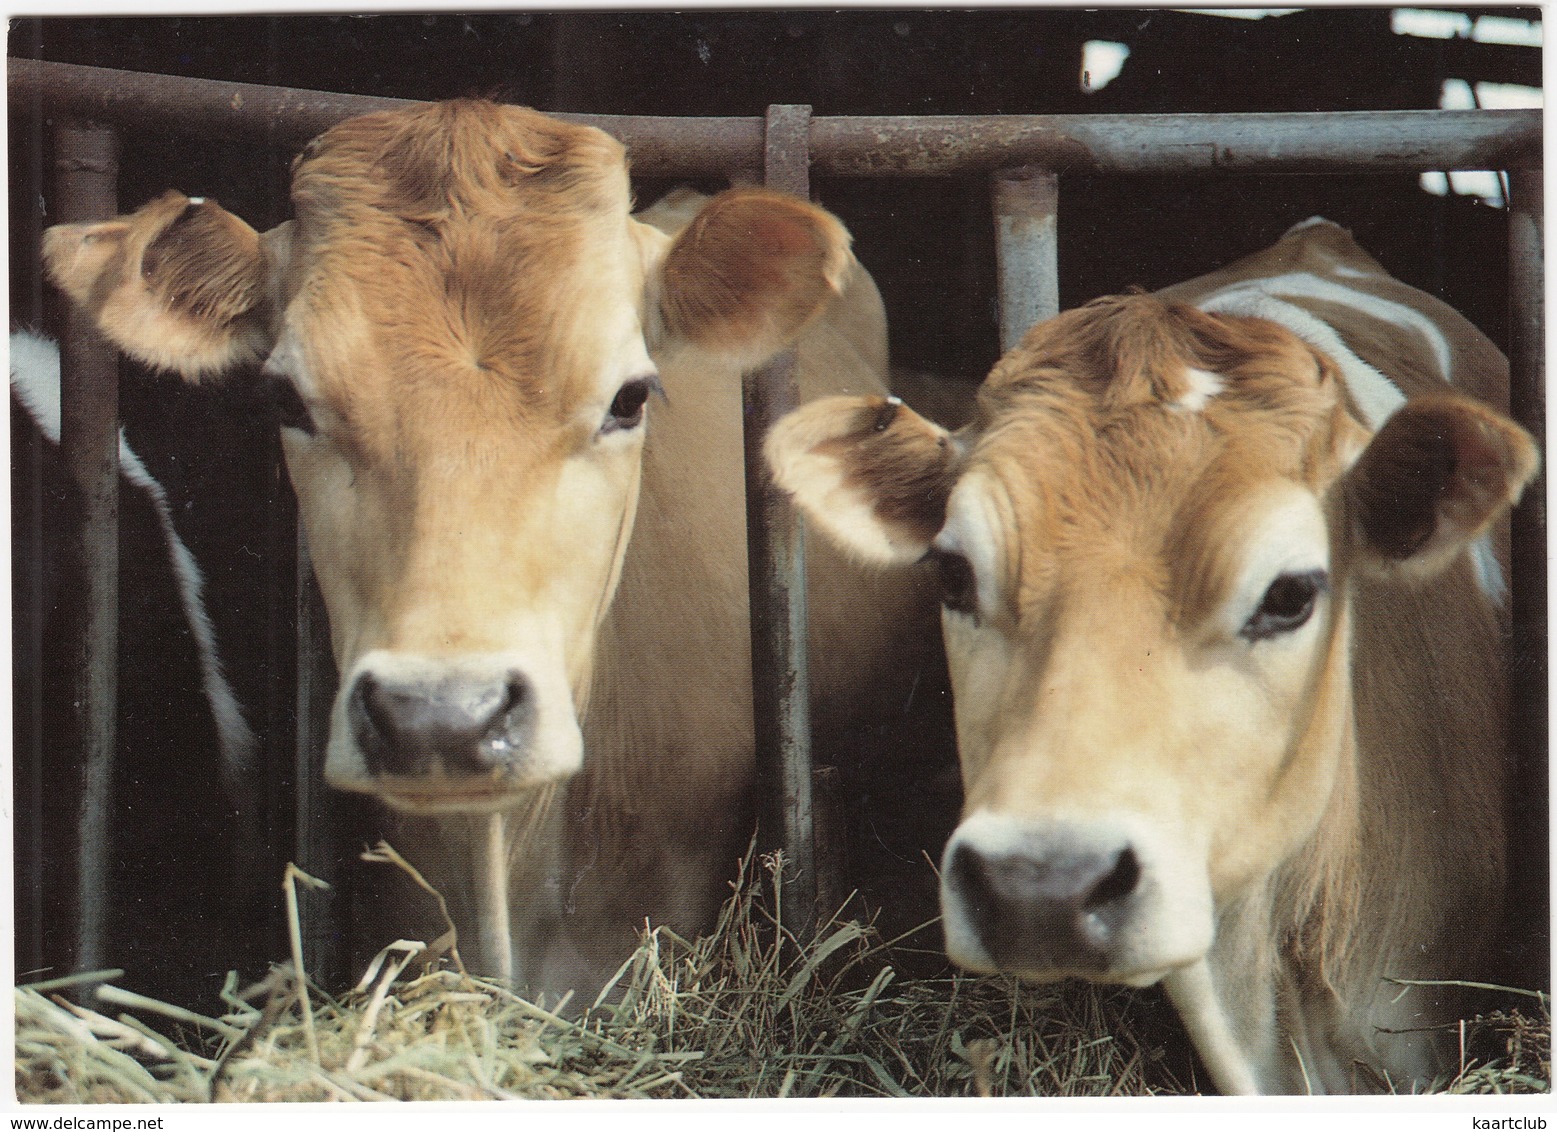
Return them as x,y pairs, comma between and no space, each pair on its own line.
1047,900
442,738
448,728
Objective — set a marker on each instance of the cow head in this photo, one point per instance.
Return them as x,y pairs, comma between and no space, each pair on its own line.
1148,539
459,326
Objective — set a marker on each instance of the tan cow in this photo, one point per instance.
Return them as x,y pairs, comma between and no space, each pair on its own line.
1223,605
505,403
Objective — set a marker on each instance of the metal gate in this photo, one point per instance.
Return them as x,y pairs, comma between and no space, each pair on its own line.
1026,158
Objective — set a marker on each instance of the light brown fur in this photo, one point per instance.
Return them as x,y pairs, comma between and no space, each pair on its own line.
1337,788
459,300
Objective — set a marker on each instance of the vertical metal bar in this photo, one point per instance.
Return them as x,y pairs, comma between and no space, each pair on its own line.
776,565
86,180
1026,203
318,836
30,777
1530,711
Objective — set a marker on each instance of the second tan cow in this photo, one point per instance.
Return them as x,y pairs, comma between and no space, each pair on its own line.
512,416
1223,605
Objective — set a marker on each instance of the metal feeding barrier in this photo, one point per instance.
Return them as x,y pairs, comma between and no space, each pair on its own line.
1026,157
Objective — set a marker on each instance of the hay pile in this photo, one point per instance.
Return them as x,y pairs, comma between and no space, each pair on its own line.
745,1013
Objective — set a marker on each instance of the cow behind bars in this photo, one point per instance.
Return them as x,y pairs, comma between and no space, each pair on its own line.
1224,603
511,415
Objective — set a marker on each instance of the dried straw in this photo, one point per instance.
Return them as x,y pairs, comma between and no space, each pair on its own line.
748,1011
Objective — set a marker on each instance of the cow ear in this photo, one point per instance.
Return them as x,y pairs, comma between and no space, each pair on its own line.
749,271
1439,473
178,284
869,472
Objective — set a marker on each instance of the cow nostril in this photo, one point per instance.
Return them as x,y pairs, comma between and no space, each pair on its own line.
376,705
510,717
971,880
1119,882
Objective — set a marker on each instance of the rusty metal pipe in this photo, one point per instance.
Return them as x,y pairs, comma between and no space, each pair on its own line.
1178,144
86,168
1026,205
1376,142
781,696
285,116
322,835
1528,581
926,145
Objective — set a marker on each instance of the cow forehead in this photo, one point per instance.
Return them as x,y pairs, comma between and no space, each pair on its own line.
1130,392
466,250
421,163
1157,458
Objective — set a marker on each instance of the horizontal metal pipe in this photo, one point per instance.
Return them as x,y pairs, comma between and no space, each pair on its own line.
1383,141
1386,141
673,147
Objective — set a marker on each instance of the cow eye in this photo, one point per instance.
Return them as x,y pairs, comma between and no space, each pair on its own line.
1287,604
627,407
959,586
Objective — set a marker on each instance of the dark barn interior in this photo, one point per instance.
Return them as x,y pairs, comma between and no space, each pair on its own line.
188,902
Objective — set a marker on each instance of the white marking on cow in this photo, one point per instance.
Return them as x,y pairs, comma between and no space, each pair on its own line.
35,377
1203,385
1303,285
1489,571
1311,222
1376,396
853,517
1290,537
287,361
970,530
